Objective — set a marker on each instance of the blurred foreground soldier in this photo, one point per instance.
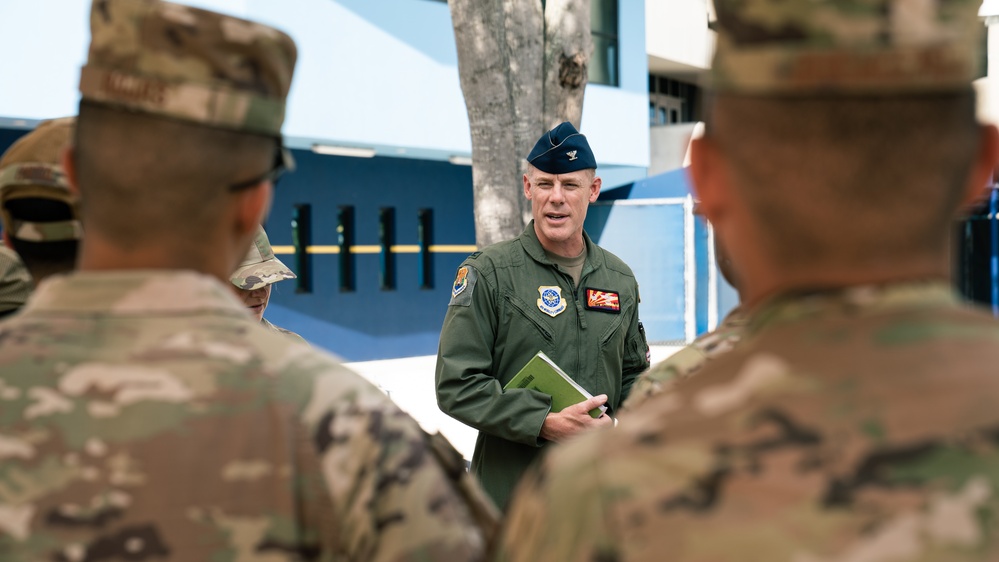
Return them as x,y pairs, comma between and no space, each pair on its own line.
253,278
40,213
15,282
551,289
687,360
857,418
145,414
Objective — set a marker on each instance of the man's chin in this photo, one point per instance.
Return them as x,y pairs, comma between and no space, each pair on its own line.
557,234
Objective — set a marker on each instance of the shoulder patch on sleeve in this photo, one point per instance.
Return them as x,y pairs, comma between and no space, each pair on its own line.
464,284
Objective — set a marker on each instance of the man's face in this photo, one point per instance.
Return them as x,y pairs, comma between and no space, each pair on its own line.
724,261
558,205
255,300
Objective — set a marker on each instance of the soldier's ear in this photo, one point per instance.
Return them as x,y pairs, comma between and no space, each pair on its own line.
67,158
709,178
248,209
985,167
253,206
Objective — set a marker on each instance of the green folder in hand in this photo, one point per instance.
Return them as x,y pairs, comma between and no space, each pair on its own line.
543,375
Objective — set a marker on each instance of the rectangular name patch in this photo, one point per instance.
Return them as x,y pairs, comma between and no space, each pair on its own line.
607,301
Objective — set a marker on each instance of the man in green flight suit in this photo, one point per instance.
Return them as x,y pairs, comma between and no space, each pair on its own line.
551,289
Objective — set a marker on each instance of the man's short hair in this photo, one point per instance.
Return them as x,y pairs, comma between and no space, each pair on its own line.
144,175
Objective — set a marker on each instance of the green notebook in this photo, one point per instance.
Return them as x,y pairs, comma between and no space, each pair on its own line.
543,375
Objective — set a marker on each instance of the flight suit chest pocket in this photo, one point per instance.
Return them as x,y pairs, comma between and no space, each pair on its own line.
611,327
523,320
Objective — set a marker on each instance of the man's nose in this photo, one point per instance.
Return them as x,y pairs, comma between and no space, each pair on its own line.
558,193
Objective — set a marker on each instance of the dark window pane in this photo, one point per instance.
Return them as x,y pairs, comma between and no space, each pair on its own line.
603,16
603,62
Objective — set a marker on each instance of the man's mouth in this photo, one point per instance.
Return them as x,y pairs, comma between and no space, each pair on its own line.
555,217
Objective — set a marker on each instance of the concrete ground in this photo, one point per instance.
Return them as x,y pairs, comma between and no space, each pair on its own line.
410,383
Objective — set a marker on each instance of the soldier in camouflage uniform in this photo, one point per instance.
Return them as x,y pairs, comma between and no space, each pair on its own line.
253,278
687,360
143,413
857,418
40,213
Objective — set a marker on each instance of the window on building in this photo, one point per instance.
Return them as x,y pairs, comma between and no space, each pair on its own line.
672,101
604,60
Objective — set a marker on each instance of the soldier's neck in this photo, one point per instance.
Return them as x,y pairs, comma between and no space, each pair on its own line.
760,288
97,253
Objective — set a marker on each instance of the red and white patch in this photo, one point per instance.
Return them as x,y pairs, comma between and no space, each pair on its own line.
607,301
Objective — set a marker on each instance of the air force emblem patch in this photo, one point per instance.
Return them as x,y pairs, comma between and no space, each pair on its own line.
464,284
551,301
571,154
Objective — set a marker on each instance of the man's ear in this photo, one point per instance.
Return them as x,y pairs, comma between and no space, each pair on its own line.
595,189
984,168
251,207
67,158
527,187
709,178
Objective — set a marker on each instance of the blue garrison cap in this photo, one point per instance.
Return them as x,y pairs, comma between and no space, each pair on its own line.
562,150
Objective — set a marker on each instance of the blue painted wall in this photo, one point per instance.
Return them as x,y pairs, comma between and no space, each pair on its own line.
371,323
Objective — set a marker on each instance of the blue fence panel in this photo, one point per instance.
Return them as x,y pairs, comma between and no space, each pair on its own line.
649,238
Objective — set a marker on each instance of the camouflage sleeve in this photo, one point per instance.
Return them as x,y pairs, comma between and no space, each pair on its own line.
644,387
547,521
656,379
395,497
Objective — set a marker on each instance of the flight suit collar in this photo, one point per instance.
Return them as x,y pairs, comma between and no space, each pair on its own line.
533,247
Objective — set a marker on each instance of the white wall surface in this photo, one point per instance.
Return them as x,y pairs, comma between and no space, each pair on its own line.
380,73
677,30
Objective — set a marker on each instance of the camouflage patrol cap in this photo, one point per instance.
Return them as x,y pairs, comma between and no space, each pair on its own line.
260,267
31,170
798,47
189,64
